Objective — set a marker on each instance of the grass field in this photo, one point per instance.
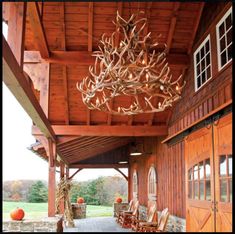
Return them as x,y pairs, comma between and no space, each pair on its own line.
39,210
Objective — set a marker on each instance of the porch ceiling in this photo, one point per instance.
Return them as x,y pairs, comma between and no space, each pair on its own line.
64,34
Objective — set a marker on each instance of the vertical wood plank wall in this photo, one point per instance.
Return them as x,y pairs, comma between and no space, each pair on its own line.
218,90
169,164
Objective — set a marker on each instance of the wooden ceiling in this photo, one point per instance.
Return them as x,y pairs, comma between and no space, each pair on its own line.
71,30
65,34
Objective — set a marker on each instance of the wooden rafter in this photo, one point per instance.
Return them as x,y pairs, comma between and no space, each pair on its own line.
202,4
16,29
15,80
76,157
126,177
37,29
117,39
77,130
94,147
172,25
77,165
147,15
80,147
90,25
64,68
85,58
120,9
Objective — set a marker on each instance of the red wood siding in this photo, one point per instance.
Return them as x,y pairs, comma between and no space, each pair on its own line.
216,92
169,164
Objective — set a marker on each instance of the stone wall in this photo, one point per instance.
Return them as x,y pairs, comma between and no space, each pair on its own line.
79,210
142,212
119,206
48,224
174,223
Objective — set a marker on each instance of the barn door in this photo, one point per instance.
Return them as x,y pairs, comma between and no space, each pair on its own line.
223,173
199,181
208,156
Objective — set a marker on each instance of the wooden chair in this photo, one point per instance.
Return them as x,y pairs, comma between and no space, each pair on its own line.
137,223
126,219
156,226
120,213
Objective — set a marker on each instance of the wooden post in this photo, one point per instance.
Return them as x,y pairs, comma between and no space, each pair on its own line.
129,184
67,172
62,176
51,179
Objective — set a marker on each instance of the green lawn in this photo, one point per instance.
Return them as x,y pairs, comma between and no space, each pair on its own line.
38,210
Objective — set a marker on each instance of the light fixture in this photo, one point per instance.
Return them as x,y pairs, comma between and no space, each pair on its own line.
135,153
136,149
135,67
123,162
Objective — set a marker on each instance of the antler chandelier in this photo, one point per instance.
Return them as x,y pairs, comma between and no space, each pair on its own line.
133,68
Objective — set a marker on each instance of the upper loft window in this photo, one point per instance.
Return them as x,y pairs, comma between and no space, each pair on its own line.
202,63
224,39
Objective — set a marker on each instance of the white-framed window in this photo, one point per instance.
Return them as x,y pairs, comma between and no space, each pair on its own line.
135,185
202,63
152,184
224,39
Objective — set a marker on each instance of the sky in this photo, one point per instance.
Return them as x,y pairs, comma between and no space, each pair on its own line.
19,163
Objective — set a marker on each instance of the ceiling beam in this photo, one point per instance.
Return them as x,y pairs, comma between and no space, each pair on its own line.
85,58
15,80
172,25
114,165
104,130
119,8
202,4
37,29
64,68
90,25
16,29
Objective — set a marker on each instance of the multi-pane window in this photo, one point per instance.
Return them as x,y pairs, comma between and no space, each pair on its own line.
225,177
199,186
224,39
202,63
152,181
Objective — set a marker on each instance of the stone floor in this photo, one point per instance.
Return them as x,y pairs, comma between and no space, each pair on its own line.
98,224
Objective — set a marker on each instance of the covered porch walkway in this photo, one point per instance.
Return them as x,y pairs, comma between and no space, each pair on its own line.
97,224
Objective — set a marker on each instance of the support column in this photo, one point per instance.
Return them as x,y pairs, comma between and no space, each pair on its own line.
129,184
51,179
62,174
67,173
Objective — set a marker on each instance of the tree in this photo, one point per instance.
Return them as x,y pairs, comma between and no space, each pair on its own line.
38,192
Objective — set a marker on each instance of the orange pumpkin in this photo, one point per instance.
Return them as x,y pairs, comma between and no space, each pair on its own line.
118,199
80,200
17,214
